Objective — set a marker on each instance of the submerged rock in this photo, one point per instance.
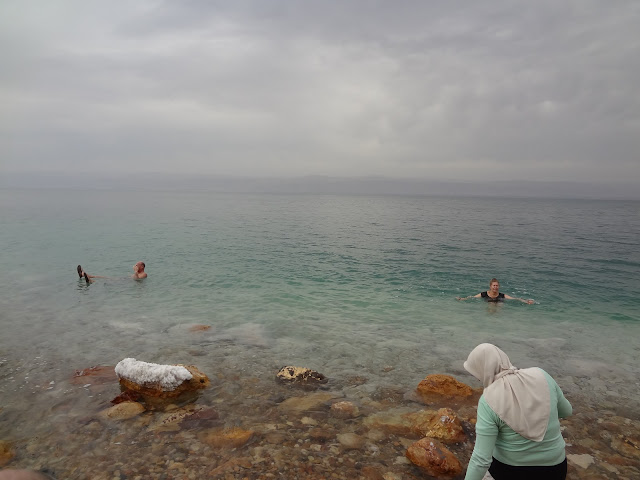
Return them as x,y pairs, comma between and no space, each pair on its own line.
350,441
300,375
122,411
443,425
433,458
163,381
97,375
6,453
226,437
306,403
344,410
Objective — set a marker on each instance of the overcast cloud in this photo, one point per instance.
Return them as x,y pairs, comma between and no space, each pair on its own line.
465,90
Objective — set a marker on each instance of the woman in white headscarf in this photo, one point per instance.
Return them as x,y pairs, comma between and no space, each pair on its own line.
518,428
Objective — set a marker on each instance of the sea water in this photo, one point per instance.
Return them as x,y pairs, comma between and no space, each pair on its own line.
350,286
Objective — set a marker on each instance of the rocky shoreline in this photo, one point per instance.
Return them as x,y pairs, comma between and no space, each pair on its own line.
254,427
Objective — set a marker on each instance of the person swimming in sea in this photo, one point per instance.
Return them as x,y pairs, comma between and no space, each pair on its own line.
138,273
494,294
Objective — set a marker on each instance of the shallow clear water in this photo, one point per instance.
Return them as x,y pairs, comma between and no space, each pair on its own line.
345,285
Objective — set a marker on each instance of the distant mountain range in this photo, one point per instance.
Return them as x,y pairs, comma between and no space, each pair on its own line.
321,185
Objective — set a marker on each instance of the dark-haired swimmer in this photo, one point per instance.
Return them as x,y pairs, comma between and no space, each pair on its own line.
494,295
138,273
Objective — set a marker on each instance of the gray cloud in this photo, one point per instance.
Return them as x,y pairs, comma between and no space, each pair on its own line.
470,91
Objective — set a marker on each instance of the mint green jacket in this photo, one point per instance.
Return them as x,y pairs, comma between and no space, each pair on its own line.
494,438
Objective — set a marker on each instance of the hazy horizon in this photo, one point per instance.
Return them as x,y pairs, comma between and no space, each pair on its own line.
319,184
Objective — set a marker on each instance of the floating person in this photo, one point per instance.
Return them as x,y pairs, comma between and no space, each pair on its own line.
494,295
518,427
138,273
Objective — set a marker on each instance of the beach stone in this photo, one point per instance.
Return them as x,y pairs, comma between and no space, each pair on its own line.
344,410
443,425
198,381
433,458
6,453
234,437
371,473
304,375
582,461
296,405
122,411
11,474
350,441
438,388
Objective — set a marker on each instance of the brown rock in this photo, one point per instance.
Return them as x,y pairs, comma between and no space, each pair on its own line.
371,473
198,381
6,453
627,445
344,410
443,425
300,375
438,388
226,437
122,411
433,458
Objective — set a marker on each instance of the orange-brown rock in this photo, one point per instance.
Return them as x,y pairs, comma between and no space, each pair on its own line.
226,437
439,388
397,421
6,453
434,459
443,425
198,381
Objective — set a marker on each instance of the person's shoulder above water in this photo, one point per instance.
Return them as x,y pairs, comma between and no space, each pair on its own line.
494,294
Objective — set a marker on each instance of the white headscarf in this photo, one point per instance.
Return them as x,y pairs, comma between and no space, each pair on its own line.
520,398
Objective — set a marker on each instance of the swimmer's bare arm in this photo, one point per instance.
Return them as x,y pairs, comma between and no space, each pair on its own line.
138,276
470,296
509,297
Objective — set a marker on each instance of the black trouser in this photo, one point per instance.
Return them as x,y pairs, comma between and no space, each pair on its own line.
502,471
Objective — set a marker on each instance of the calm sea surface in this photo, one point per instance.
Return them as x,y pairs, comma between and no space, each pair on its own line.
346,285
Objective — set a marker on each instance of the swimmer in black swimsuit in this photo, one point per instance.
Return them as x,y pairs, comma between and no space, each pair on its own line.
494,295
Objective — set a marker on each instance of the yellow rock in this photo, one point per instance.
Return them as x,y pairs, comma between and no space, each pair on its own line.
303,404
122,411
226,437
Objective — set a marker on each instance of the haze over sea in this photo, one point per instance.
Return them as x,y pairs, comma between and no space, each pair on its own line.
347,285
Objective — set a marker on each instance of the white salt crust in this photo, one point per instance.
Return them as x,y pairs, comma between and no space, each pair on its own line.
169,377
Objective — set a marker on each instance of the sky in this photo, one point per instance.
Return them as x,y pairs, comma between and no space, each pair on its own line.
456,91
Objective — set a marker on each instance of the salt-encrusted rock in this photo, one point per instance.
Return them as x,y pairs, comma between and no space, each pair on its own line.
226,437
433,458
6,453
438,388
155,380
122,411
443,425
344,410
303,404
300,375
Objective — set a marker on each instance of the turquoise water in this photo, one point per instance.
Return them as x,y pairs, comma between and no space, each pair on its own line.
346,285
